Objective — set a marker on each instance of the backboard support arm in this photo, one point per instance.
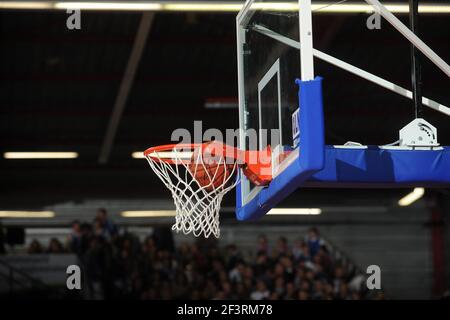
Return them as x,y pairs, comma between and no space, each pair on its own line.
354,70
408,34
416,81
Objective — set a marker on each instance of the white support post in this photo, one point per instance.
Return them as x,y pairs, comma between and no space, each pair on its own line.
306,36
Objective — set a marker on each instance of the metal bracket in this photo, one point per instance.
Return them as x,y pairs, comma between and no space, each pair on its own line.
418,133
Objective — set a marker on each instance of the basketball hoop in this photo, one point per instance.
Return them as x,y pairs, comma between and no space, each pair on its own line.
198,176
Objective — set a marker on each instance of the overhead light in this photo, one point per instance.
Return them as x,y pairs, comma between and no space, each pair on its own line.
148,214
295,211
415,195
221,103
40,155
223,7
27,214
122,6
26,5
215,6
164,155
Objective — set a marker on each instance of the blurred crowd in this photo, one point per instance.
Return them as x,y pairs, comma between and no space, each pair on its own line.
118,265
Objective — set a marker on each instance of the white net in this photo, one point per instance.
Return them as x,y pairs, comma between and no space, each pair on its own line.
198,183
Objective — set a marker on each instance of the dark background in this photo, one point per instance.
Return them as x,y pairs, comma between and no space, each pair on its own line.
58,88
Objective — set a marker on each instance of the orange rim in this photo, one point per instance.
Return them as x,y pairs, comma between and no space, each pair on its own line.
169,148
177,146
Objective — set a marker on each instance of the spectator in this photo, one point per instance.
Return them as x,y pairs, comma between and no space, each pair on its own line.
74,238
237,272
120,266
303,295
107,226
279,288
263,245
261,292
290,291
282,246
35,247
314,242
55,246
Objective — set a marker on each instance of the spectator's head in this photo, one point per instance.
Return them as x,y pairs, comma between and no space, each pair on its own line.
261,258
55,246
278,270
261,286
343,290
309,275
303,295
102,214
318,287
35,247
217,265
220,295
328,289
323,251
304,251
313,234
286,262
339,272
262,242
301,273
279,286
240,268
305,286
98,226
76,227
226,288
274,296
299,244
290,290
232,249
241,292
223,276
86,229
355,295
319,270
248,273
282,245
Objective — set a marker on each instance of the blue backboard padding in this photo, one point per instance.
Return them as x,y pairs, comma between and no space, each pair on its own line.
374,167
308,163
356,168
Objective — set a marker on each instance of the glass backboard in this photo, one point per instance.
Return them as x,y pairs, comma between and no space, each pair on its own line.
268,68
280,103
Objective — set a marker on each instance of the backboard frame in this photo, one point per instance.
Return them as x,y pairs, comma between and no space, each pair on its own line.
329,166
245,196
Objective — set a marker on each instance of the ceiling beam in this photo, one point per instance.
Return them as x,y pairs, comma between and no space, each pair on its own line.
126,85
